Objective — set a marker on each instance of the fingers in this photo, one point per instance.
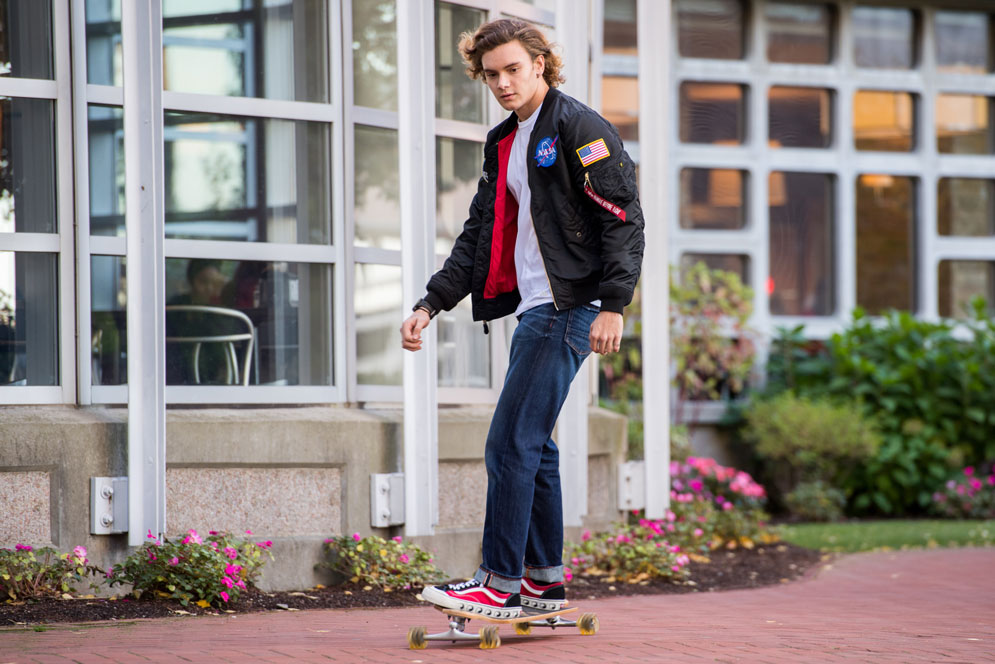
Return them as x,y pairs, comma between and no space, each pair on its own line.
606,333
411,330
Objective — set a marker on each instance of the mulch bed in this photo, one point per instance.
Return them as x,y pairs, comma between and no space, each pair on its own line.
727,570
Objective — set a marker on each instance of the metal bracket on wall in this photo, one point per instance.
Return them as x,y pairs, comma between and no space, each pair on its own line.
632,485
386,499
108,505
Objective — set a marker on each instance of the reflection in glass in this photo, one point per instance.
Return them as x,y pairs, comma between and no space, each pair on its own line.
960,282
884,37
26,39
457,171
619,84
378,308
710,28
799,117
799,33
802,254
29,318
374,53
464,351
713,198
886,243
963,124
105,133
963,42
285,307
738,263
27,165
377,214
713,113
103,42
620,105
247,179
966,207
883,121
457,96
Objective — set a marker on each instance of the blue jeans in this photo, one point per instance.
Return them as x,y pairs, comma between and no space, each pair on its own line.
524,520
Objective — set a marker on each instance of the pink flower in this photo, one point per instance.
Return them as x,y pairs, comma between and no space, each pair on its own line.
676,548
676,568
702,519
991,480
231,552
969,471
150,535
671,528
698,532
356,537
212,532
214,545
80,553
240,584
248,532
727,506
696,485
174,561
109,573
233,570
567,574
264,545
586,535
398,539
404,558
224,595
22,547
226,582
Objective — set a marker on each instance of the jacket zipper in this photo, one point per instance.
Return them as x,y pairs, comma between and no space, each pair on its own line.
545,271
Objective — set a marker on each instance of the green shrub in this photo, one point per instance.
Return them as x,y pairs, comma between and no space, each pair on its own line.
929,385
211,571
390,564
968,495
630,554
26,572
816,501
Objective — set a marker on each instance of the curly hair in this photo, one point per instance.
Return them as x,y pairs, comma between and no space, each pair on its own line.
473,46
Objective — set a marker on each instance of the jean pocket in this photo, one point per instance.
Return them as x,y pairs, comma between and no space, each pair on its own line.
578,333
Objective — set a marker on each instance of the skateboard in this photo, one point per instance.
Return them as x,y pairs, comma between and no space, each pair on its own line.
488,636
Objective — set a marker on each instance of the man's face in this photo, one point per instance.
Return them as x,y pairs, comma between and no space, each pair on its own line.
513,76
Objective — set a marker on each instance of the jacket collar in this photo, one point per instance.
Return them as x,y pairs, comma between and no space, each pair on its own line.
511,122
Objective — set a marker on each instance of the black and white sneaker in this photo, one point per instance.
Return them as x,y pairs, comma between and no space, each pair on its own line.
542,597
472,597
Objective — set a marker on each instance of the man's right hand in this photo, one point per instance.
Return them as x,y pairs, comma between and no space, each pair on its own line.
411,329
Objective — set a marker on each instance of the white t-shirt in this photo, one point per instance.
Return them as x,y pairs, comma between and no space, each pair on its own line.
533,285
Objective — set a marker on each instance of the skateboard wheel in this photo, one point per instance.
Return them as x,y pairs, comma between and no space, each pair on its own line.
523,628
588,624
416,638
489,637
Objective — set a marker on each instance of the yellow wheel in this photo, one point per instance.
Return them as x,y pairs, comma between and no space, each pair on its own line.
416,638
523,628
489,637
588,624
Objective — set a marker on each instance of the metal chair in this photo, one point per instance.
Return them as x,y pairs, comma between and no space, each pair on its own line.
233,373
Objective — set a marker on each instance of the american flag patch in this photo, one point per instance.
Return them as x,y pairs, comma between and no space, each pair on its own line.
592,152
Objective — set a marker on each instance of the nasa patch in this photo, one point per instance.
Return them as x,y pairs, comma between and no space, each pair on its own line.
546,151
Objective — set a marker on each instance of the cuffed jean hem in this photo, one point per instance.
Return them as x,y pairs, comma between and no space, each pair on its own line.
545,574
500,583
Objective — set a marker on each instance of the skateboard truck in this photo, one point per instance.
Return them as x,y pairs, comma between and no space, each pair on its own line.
488,636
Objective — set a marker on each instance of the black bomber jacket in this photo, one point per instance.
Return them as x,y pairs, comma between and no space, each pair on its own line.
585,209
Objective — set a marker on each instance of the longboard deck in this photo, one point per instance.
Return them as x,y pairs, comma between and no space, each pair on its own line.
505,621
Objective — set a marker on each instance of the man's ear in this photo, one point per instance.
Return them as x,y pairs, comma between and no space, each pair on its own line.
540,64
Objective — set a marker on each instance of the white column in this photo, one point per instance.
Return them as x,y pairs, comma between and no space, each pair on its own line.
141,27
655,88
416,80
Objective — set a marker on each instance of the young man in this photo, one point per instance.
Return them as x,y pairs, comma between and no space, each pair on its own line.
555,236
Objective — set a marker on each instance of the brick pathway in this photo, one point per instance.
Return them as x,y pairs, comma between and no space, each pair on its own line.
918,606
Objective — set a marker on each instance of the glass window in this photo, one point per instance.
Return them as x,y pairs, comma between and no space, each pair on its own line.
620,85
457,96
457,171
884,37
26,39
29,318
277,49
710,29
799,117
966,207
799,33
713,198
620,105
378,308
108,325
374,53
27,165
802,254
106,154
886,243
247,179
963,124
464,351
963,42
883,121
960,282
620,34
713,113
738,263
247,322
103,42
378,201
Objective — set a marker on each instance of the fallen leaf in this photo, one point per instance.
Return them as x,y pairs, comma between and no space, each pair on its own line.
367,587
180,612
203,603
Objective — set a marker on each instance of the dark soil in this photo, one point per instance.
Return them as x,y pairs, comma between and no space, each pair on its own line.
727,570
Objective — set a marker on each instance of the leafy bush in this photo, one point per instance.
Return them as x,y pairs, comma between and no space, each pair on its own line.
630,554
390,564
816,501
931,387
211,571
26,572
967,496
728,504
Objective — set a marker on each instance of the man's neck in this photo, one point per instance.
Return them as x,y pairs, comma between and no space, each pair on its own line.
526,111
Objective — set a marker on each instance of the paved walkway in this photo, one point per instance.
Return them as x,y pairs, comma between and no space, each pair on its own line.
918,606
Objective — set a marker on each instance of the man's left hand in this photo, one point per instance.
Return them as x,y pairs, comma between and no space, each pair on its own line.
606,333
